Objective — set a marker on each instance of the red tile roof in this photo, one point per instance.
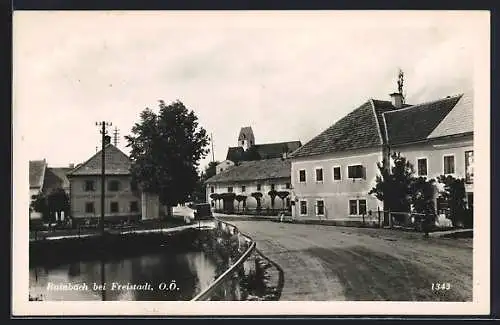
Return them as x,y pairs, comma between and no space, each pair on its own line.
116,163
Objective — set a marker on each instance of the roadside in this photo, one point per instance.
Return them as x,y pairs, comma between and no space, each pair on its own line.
453,233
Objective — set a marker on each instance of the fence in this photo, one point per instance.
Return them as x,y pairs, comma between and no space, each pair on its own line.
245,246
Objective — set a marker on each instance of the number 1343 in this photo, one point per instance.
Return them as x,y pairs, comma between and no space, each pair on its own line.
441,286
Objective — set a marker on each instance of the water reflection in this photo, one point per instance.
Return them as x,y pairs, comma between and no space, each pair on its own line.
192,272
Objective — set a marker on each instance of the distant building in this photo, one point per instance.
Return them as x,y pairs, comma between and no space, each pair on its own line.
122,198
248,150
249,177
37,169
225,165
333,173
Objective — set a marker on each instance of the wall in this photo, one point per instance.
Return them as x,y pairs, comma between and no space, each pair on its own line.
335,193
435,151
79,197
225,165
250,187
150,206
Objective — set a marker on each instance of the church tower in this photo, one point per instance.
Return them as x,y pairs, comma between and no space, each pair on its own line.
246,138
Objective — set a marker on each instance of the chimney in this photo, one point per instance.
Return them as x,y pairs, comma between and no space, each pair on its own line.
397,100
71,165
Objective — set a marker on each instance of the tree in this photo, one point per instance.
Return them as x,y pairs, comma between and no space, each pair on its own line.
422,198
240,198
200,192
454,194
257,196
229,198
58,201
272,194
394,188
282,195
39,204
166,148
215,197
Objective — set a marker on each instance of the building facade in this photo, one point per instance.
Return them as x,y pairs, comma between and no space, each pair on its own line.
122,197
333,173
249,177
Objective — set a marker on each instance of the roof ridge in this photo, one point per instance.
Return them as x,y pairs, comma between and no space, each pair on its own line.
424,103
376,120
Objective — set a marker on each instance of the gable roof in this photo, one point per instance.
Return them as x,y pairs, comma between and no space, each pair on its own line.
263,151
116,163
56,177
254,170
234,153
460,120
244,130
378,122
37,173
416,123
358,129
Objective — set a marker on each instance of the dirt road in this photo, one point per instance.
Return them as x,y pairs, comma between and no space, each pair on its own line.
343,263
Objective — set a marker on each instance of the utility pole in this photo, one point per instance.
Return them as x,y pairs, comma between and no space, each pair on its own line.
212,140
104,132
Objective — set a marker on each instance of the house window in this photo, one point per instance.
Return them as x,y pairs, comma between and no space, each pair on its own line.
319,174
114,207
355,171
89,186
133,186
422,167
212,189
221,170
134,206
362,207
272,187
302,176
303,207
288,186
449,164
357,207
469,167
336,174
320,208
89,207
113,186
258,187
353,207
230,189
243,188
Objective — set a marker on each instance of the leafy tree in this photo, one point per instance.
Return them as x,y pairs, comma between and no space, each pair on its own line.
200,192
228,197
166,148
240,198
39,204
422,195
58,201
272,194
454,193
216,197
282,195
258,197
394,188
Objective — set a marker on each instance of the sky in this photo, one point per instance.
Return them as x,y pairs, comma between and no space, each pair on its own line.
287,75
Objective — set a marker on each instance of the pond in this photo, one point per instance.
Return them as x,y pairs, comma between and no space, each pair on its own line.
158,276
